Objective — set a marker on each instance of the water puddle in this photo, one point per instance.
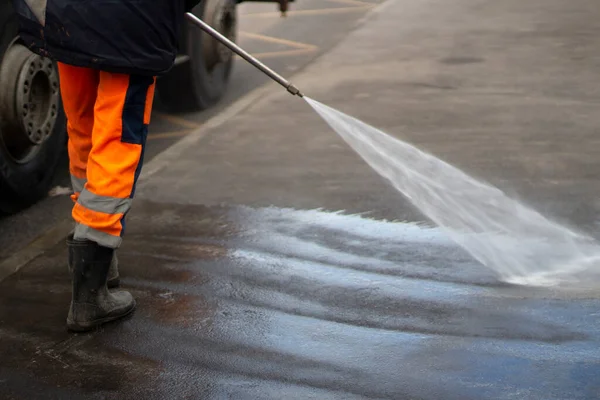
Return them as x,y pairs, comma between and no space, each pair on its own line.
520,245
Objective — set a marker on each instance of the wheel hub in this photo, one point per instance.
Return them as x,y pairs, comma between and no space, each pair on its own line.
29,101
221,15
37,98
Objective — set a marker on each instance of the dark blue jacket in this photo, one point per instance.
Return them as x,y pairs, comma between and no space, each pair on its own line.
127,36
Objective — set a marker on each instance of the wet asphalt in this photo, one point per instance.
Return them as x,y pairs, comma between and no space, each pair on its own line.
270,262
271,303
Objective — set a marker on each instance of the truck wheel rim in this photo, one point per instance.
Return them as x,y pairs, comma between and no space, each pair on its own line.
29,102
38,98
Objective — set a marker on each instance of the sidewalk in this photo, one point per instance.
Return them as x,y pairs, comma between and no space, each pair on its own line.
249,284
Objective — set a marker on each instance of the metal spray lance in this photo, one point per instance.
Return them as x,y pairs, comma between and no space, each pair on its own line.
245,55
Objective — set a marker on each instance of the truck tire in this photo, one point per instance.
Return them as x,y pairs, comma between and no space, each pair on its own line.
200,77
32,122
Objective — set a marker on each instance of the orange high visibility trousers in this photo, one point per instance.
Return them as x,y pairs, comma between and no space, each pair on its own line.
107,124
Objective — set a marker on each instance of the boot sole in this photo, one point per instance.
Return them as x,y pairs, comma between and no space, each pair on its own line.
88,326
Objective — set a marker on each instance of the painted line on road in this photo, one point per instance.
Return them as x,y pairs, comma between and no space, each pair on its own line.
178,120
272,39
358,5
172,134
284,53
299,48
325,11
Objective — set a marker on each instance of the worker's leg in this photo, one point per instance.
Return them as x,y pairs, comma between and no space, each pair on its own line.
121,118
79,87
122,114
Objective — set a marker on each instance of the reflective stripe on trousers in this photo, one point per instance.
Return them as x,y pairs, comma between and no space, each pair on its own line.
78,184
108,116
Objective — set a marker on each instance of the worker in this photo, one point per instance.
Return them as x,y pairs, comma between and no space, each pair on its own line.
109,54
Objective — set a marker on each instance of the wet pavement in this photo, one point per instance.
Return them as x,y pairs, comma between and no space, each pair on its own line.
239,302
270,262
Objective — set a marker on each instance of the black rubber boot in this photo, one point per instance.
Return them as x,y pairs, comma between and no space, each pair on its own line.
92,303
113,273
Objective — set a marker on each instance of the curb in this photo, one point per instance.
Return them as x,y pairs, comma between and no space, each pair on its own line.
35,248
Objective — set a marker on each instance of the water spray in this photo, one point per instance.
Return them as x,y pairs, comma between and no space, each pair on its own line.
517,242
244,54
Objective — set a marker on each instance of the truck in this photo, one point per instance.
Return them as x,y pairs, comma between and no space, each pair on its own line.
32,122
